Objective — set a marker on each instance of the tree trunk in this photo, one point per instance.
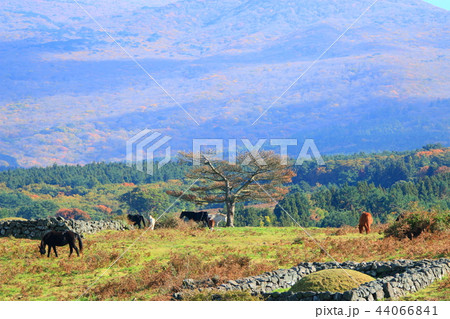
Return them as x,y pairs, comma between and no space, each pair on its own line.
230,213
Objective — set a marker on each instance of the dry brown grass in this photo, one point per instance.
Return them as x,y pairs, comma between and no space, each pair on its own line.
166,279
155,266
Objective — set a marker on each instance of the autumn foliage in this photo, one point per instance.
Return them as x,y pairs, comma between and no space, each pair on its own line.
72,213
104,209
432,152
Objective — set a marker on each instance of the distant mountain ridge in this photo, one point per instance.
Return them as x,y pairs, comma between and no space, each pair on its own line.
70,95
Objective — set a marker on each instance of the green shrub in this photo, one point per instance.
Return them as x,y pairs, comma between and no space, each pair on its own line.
412,224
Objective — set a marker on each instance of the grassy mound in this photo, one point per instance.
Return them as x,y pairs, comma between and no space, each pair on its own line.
333,280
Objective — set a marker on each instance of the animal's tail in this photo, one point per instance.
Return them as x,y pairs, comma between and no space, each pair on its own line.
80,243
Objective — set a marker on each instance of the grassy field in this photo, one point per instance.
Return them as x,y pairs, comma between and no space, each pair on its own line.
154,267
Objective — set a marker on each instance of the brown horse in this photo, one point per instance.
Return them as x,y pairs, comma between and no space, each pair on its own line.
56,238
365,221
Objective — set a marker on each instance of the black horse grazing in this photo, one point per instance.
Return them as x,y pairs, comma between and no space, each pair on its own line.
136,219
56,238
196,216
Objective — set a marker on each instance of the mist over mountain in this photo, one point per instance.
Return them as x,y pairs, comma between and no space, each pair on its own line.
69,94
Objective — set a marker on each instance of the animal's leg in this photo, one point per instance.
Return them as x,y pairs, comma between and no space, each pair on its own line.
360,229
76,249
71,249
49,249
54,249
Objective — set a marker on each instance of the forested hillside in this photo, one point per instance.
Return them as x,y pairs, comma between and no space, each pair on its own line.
384,184
88,175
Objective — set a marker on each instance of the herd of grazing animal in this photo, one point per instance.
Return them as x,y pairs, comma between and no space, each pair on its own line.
55,238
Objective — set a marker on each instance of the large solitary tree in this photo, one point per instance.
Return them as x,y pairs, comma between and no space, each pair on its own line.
252,177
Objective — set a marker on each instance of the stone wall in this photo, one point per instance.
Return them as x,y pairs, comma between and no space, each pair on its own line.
34,229
393,279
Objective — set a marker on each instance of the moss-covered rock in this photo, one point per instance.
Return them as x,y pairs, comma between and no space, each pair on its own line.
333,280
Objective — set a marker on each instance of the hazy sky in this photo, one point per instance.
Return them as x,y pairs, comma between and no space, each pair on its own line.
440,3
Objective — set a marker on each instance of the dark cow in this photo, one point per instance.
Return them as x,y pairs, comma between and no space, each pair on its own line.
136,219
365,221
196,216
